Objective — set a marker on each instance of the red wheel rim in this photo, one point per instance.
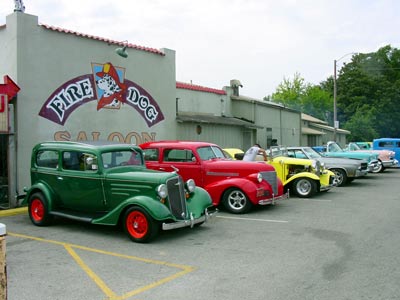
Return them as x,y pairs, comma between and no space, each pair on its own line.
37,210
137,224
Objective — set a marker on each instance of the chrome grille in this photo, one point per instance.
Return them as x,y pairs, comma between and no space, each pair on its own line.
319,168
272,179
364,166
176,197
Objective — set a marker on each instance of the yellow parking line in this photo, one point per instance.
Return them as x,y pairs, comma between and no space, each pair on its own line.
99,282
13,211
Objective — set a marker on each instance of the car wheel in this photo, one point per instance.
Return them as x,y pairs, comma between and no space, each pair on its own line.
139,225
38,210
379,169
236,201
305,187
341,176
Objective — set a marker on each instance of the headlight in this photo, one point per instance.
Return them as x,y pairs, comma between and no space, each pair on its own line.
162,191
314,164
190,185
259,177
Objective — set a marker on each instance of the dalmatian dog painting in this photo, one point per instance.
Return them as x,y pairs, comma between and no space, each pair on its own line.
112,89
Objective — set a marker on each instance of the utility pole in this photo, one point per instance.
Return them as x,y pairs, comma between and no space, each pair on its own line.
334,102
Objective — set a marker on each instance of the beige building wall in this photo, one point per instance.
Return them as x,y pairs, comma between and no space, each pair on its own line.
41,60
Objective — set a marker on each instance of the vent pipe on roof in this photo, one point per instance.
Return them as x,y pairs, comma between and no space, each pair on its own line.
235,84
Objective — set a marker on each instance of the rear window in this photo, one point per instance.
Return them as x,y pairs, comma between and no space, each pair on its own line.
179,155
386,144
47,159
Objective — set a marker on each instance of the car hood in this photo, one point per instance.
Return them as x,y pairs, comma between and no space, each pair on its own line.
341,161
353,154
229,166
292,161
139,174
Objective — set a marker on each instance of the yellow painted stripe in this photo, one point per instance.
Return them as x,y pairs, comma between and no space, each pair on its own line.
13,211
100,283
146,260
156,283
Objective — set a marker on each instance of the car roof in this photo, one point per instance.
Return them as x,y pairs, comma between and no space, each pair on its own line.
103,145
175,143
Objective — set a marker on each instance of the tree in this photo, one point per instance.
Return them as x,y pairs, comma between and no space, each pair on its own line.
370,83
361,125
307,98
289,92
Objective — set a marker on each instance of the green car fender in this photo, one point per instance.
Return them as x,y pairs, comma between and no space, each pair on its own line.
154,208
40,187
199,201
302,175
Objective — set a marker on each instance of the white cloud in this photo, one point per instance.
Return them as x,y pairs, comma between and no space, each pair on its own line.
256,41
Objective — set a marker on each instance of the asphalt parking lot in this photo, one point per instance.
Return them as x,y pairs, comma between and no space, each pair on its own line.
341,244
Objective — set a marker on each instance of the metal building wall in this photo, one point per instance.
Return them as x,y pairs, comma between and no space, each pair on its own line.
222,135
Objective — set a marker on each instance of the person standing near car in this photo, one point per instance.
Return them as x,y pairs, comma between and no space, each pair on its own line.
252,153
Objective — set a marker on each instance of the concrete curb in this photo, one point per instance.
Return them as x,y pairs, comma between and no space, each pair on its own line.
13,211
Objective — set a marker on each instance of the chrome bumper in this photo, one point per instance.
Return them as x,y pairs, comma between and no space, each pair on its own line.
191,222
390,163
329,186
273,200
361,173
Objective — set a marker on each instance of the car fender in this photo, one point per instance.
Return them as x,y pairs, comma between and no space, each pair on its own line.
199,201
347,169
302,175
154,208
249,187
43,188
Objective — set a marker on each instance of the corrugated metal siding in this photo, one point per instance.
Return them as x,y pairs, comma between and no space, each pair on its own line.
222,135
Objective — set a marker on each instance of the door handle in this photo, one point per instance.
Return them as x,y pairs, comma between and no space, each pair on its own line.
60,178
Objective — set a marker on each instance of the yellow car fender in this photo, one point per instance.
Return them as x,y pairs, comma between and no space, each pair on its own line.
302,175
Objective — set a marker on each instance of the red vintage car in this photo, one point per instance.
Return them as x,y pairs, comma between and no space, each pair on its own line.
238,185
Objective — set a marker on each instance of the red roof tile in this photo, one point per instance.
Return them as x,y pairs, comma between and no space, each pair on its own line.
129,45
199,88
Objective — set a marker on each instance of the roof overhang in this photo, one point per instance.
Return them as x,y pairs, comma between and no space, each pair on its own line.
310,131
329,128
211,119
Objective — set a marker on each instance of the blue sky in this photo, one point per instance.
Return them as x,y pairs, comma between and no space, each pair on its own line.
259,42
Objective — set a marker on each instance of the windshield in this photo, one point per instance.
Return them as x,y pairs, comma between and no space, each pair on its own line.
210,152
119,158
333,147
354,147
311,153
276,151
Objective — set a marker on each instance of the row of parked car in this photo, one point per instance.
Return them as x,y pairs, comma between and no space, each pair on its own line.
171,184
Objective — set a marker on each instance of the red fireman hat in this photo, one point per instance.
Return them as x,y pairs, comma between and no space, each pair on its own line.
109,69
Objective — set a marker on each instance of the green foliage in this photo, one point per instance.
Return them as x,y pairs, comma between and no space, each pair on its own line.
289,92
307,98
368,95
371,83
361,125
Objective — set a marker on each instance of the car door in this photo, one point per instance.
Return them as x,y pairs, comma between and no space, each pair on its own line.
180,159
79,182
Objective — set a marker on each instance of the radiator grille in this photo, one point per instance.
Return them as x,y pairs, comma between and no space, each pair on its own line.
271,178
176,197
364,166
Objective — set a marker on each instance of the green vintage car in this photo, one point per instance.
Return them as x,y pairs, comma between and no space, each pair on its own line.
109,184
